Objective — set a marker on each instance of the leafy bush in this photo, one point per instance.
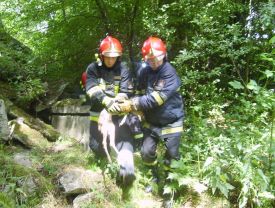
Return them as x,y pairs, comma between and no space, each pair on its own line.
230,111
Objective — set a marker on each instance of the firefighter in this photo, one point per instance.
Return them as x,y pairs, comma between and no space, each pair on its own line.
161,102
109,80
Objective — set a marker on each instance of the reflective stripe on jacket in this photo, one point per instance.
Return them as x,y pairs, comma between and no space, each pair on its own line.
161,102
103,81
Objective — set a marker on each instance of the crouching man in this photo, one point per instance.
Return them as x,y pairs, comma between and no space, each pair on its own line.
107,81
162,105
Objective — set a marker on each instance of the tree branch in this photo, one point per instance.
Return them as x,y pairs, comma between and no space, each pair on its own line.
106,21
132,31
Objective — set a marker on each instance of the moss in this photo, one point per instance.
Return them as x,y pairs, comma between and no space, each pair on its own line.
68,102
46,130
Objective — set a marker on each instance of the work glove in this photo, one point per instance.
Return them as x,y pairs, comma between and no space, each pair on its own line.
108,101
110,104
126,106
129,105
114,108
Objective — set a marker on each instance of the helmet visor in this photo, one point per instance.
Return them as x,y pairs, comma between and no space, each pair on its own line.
153,58
111,54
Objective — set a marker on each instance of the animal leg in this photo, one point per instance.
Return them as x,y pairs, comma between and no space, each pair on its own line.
104,143
112,133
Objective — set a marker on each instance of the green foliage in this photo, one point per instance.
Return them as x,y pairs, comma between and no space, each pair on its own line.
29,89
230,106
12,176
221,51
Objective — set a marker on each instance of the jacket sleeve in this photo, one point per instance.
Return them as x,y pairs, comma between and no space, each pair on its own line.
92,85
126,82
167,84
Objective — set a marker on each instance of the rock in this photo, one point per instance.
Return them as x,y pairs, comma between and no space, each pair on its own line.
46,130
82,200
28,185
31,138
60,147
78,181
23,159
4,128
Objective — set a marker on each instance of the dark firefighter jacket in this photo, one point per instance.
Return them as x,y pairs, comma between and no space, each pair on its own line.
103,81
161,101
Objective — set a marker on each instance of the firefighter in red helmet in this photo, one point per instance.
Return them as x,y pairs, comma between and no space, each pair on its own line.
109,80
162,104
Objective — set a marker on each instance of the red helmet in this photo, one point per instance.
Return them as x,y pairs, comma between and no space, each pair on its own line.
153,47
110,47
83,79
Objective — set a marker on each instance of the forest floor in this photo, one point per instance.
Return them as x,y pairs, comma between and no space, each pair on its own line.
49,194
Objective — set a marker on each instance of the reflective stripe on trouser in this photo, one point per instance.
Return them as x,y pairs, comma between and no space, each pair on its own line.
138,136
169,130
170,135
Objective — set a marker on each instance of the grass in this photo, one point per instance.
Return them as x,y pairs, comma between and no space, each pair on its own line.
54,163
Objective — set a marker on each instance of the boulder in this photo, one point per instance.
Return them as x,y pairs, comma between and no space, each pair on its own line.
46,130
23,159
78,181
83,199
31,138
4,128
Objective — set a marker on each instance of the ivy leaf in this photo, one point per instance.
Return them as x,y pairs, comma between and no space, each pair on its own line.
236,85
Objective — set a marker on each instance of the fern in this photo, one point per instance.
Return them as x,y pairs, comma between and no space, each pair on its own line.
6,202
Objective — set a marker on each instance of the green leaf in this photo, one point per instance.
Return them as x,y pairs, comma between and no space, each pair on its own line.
243,202
267,195
262,175
272,40
252,85
167,190
208,162
172,176
223,189
186,181
229,186
236,85
268,73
